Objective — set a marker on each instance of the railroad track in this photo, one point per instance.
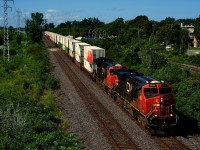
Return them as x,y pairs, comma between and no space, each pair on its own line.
192,68
165,143
170,143
112,130
109,126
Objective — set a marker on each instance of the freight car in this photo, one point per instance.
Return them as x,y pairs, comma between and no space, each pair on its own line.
150,101
79,53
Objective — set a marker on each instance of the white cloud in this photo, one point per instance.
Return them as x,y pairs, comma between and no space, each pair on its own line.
52,11
73,17
58,16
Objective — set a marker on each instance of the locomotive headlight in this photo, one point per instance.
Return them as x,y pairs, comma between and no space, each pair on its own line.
155,115
161,100
171,115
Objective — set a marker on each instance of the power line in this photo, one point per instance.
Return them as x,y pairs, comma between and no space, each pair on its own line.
6,34
19,14
18,20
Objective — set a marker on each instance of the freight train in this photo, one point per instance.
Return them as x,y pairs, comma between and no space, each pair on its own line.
150,101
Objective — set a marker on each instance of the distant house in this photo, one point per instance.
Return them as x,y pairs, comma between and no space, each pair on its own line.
190,29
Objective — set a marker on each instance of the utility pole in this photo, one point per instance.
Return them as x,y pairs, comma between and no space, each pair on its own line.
18,20
6,34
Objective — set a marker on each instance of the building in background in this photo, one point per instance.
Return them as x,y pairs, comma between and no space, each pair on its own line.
190,29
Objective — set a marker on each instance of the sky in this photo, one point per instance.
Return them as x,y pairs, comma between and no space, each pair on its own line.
58,11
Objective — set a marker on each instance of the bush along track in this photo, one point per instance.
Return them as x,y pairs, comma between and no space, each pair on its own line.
29,118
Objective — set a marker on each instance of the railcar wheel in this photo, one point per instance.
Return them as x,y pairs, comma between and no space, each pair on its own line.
139,118
93,77
143,122
131,111
111,93
105,88
125,104
115,96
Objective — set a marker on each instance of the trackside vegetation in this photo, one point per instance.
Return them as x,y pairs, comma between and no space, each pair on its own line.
29,117
142,44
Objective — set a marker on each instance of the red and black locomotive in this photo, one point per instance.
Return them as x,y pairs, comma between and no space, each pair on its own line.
147,99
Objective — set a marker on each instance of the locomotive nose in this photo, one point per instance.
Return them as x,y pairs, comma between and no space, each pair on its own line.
164,101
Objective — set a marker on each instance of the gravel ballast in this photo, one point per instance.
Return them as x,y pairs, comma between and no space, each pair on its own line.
82,123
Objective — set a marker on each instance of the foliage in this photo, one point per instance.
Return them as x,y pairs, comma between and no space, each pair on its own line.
79,28
19,39
143,26
197,28
184,59
133,57
171,74
29,117
1,37
34,27
195,60
188,94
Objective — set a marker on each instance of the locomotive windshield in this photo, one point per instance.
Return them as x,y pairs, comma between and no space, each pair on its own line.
150,92
166,91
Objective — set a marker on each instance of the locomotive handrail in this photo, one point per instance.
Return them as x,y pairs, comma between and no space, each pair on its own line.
153,110
177,118
149,114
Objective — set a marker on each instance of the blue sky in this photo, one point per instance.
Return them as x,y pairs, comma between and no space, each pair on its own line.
58,11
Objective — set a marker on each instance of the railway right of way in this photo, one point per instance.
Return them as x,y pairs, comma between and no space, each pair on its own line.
110,127
133,137
113,123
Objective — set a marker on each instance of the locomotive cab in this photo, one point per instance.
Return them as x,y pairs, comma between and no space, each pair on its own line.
157,104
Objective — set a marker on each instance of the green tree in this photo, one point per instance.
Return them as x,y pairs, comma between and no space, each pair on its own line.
49,26
1,37
34,27
197,28
163,33
133,57
115,27
151,58
143,25
167,20
19,39
184,42
175,36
